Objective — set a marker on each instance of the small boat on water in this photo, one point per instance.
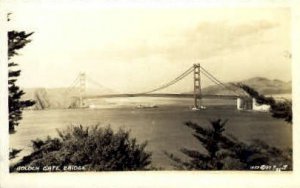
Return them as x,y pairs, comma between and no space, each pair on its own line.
199,108
147,106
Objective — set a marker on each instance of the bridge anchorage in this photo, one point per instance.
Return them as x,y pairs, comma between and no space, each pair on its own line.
243,101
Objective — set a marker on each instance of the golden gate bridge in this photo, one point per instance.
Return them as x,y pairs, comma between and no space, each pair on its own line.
196,69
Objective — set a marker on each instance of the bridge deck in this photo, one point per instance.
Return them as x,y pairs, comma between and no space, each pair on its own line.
161,95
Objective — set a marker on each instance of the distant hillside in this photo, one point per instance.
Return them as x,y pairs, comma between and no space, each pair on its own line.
263,85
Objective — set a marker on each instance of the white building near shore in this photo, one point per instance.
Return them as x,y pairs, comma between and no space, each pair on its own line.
260,107
248,103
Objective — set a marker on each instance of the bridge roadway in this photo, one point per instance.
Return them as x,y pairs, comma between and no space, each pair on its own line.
166,95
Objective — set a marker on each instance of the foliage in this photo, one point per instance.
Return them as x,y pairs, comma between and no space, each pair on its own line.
13,153
225,152
95,149
279,109
16,41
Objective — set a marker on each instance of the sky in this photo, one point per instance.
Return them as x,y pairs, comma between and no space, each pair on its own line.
136,49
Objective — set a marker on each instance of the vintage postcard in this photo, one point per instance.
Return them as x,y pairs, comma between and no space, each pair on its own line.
149,87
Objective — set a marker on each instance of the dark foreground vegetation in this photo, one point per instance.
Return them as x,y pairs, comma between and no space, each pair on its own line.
16,41
225,152
93,149
102,149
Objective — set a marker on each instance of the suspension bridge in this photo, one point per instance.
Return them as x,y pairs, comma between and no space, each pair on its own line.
197,70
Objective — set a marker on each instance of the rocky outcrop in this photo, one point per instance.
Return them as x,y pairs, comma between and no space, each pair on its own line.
56,98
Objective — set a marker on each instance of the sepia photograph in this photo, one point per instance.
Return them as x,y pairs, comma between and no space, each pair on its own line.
123,89
109,87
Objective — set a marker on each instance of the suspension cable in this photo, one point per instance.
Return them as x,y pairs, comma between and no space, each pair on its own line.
207,76
172,82
177,79
210,76
90,80
72,86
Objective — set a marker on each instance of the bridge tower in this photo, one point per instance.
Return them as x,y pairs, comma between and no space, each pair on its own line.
82,89
197,86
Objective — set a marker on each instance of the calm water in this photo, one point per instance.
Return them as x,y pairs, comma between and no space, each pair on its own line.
162,127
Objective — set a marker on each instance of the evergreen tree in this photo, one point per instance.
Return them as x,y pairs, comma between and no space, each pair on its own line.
225,152
16,41
95,148
212,140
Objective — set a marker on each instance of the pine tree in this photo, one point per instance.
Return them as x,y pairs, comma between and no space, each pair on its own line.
212,139
225,152
16,41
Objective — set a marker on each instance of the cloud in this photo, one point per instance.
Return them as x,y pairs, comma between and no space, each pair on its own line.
254,27
207,39
211,38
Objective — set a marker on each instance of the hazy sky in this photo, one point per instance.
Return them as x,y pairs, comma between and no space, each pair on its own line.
131,50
